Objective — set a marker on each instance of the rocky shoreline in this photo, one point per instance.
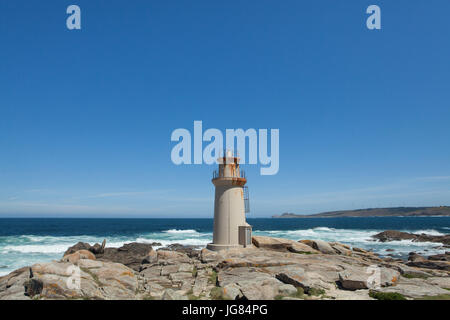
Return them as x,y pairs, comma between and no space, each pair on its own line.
393,235
272,268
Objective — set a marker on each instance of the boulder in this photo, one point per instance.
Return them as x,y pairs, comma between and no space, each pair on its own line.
301,248
354,278
320,245
359,250
341,248
298,277
252,284
415,257
76,256
270,243
131,254
95,249
12,285
172,257
89,280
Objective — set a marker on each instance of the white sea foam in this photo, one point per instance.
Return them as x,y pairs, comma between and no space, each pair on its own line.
34,248
430,232
19,251
176,231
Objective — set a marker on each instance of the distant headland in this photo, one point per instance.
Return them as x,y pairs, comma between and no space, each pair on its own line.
375,212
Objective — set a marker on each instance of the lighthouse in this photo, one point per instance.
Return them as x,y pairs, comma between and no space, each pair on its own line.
231,203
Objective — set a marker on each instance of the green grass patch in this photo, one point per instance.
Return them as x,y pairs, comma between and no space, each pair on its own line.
300,294
93,275
386,295
213,277
316,292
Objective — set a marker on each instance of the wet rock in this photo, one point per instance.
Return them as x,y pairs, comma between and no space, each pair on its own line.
393,235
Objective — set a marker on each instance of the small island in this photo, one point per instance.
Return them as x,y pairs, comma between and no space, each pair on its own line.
441,211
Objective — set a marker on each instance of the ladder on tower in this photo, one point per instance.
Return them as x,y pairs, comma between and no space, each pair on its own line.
246,199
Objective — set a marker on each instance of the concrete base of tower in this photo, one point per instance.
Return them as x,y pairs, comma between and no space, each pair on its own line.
218,247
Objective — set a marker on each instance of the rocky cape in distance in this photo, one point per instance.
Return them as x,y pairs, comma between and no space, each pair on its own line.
272,268
443,211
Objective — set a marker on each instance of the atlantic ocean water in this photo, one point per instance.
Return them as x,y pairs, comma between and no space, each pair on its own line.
24,242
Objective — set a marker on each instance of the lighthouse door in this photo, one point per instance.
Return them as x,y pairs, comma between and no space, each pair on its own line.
245,235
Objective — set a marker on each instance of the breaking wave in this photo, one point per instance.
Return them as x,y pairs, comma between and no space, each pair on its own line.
176,231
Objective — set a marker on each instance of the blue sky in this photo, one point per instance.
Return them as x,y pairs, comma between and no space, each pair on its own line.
86,115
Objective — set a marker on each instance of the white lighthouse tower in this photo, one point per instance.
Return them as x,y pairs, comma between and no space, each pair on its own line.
230,205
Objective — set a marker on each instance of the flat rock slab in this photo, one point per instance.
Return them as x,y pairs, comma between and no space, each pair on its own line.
415,289
253,283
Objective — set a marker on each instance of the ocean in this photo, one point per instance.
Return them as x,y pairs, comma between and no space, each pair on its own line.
24,242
